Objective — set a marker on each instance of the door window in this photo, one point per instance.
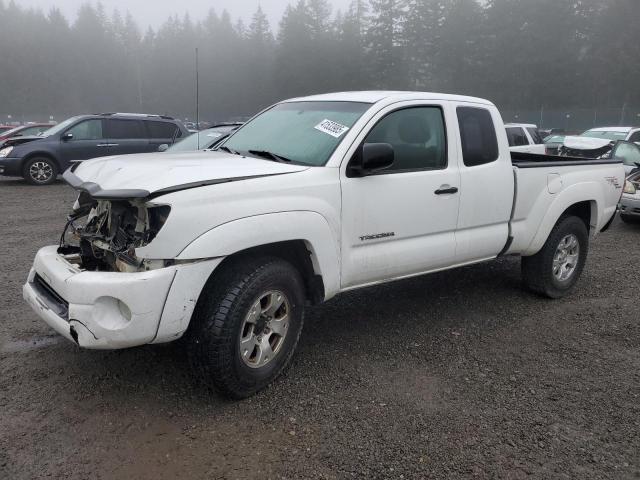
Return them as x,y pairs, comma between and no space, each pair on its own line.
478,136
629,153
161,130
516,137
635,137
535,135
87,130
124,129
417,136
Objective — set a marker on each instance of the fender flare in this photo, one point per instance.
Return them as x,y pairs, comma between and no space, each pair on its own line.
310,227
39,153
581,192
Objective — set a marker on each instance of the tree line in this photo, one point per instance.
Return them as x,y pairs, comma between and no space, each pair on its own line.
518,53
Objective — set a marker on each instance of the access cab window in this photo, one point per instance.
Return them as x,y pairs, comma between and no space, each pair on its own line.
478,136
418,138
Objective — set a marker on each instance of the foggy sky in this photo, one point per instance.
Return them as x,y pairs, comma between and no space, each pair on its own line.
162,9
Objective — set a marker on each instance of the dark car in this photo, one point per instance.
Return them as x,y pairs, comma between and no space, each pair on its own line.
4,128
25,130
39,159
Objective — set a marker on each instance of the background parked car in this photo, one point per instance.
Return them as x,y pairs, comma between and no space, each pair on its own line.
524,137
25,130
628,153
597,142
40,159
202,140
4,128
630,201
553,143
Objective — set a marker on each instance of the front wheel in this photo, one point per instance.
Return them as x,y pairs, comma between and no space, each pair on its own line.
40,171
555,269
246,325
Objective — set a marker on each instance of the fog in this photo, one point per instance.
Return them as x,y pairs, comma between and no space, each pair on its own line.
161,10
547,60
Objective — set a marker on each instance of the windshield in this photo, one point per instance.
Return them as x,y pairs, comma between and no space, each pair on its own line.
304,132
200,140
12,131
608,135
59,127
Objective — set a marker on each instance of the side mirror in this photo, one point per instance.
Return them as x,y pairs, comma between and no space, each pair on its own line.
67,136
163,147
371,159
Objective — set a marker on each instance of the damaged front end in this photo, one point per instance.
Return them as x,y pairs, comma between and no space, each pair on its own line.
103,235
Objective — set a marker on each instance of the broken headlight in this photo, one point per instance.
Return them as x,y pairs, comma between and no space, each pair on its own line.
106,233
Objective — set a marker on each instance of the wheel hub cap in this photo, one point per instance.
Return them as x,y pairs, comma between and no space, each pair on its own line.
40,171
565,259
264,329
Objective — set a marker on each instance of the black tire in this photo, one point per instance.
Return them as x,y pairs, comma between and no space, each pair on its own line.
538,270
213,339
40,176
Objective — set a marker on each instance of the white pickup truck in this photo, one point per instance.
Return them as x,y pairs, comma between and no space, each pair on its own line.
524,137
312,197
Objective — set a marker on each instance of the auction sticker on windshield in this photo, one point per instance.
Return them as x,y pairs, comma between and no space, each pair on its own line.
331,128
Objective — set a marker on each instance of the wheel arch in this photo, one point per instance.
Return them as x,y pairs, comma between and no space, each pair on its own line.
40,153
584,204
303,238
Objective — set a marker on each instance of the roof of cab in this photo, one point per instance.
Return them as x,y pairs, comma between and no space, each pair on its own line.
375,96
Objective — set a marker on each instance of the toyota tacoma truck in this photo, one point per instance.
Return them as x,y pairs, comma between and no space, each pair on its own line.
312,197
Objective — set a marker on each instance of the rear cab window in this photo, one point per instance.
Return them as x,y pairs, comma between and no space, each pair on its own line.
478,136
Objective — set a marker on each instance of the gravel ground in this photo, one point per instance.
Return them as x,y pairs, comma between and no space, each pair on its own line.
454,375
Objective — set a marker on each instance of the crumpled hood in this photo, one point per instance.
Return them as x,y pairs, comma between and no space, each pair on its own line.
585,143
160,172
13,141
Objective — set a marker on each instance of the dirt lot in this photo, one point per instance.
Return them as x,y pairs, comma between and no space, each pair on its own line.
454,375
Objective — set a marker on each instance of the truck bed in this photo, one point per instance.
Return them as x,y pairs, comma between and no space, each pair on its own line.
541,184
534,160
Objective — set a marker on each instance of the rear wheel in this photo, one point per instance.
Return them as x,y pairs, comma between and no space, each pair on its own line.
556,268
246,327
40,171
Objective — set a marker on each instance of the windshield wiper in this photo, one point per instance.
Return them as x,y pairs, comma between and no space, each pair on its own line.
270,155
227,149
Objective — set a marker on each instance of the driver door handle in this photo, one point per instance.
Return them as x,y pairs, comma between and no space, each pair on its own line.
446,190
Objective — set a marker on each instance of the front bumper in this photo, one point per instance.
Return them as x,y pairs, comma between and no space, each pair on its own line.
630,205
111,310
10,167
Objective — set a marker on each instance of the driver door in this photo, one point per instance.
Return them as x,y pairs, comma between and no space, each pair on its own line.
402,220
86,141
